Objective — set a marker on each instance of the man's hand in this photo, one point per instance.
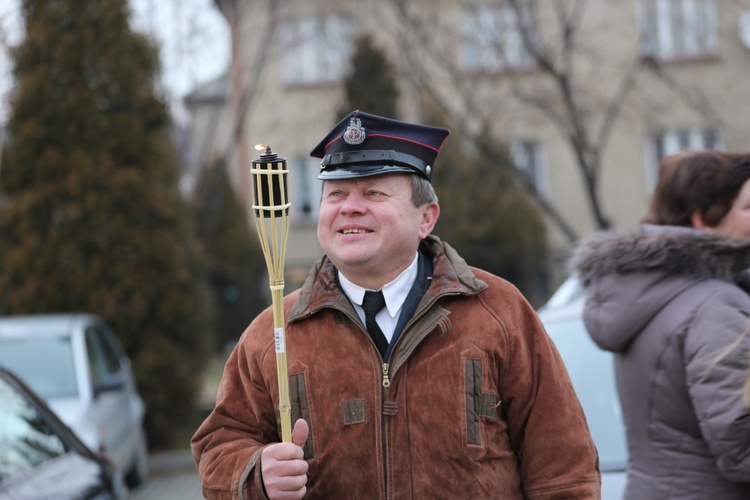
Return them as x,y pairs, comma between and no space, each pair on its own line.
283,468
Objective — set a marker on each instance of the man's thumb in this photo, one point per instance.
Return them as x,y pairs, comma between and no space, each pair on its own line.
300,432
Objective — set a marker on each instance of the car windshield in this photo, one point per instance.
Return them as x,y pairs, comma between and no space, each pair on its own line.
25,438
592,374
46,364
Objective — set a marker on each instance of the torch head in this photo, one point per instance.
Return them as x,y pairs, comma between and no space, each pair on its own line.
270,184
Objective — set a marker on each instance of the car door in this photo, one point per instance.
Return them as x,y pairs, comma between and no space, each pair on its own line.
110,409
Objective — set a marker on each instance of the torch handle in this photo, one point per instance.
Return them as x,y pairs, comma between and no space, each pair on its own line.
285,408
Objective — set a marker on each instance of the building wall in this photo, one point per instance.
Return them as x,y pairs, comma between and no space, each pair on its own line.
210,129
710,92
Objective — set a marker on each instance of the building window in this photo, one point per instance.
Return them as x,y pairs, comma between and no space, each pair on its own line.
492,40
315,49
673,141
529,159
306,190
678,29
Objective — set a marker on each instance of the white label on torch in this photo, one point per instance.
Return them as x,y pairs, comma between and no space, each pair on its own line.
280,341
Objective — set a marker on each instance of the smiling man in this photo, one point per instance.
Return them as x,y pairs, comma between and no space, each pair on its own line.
411,374
370,228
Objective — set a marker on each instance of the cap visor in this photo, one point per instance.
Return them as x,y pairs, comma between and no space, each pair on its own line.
353,172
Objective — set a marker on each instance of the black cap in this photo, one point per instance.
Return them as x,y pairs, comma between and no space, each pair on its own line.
363,145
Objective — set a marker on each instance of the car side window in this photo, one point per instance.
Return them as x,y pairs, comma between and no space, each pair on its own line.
25,437
103,356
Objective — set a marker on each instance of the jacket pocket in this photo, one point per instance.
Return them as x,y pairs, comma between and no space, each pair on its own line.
353,412
479,404
300,409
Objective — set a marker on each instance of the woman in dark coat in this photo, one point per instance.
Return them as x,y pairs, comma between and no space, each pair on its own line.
669,301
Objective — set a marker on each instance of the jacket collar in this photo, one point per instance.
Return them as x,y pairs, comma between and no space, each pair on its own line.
451,276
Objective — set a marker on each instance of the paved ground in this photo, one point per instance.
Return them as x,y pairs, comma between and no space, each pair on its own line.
173,477
172,473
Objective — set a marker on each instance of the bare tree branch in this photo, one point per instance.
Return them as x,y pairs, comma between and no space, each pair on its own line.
616,103
470,116
692,98
583,113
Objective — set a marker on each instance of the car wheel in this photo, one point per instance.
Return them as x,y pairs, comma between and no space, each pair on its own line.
138,473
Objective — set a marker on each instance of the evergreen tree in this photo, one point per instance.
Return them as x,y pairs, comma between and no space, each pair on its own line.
370,85
234,256
90,215
488,218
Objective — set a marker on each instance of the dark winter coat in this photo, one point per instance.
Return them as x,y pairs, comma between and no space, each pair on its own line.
669,302
479,403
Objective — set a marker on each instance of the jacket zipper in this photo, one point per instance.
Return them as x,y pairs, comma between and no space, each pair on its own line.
386,383
383,424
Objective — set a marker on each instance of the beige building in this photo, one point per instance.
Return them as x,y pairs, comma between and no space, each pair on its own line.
612,85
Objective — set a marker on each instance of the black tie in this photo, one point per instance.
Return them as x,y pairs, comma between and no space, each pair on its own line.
372,303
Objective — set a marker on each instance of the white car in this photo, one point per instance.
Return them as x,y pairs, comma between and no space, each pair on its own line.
40,457
592,373
75,363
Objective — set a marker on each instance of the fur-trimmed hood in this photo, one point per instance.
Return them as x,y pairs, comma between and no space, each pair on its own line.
630,277
671,249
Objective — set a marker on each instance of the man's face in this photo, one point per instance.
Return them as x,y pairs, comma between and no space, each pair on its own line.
369,227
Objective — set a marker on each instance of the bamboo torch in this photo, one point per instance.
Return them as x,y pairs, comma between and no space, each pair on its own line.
271,207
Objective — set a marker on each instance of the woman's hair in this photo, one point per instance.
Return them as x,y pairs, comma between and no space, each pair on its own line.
706,182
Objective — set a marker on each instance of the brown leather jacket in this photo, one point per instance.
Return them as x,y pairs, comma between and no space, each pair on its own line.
475,402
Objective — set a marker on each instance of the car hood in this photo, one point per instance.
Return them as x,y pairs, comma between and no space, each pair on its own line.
67,476
73,413
70,410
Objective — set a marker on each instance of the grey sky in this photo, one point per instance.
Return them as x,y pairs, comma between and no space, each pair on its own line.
192,34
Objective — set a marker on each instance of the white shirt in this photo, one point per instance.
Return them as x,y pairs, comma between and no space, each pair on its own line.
394,293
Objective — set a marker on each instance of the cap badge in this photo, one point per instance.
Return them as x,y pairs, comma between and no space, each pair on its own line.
355,132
